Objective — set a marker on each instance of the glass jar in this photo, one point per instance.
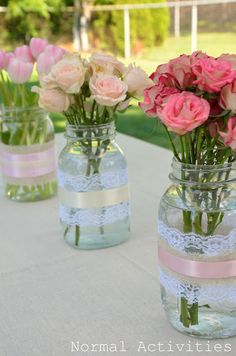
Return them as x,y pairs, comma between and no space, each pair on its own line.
197,249
28,160
93,188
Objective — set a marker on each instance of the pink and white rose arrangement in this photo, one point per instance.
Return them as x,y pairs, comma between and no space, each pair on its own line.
194,98
90,91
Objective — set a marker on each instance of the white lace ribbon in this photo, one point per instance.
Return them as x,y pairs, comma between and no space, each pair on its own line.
96,200
94,217
197,291
196,244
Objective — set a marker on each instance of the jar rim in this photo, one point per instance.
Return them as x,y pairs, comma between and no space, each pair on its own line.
84,127
11,109
14,113
204,167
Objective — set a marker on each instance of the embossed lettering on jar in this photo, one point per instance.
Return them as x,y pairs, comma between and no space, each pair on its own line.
197,249
93,188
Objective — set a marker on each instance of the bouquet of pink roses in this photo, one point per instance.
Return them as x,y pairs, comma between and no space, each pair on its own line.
194,98
90,92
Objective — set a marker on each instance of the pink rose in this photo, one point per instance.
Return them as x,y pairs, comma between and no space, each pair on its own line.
19,71
231,58
213,128
228,97
106,64
4,59
157,96
213,74
184,112
53,100
180,69
215,107
69,74
24,54
37,46
229,137
161,69
195,56
137,80
107,90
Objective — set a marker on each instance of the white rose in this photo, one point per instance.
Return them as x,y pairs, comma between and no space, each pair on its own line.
137,80
104,63
68,74
107,90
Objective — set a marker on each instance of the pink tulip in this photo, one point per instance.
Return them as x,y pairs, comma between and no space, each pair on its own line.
24,54
229,137
44,64
51,55
56,52
4,59
37,46
19,71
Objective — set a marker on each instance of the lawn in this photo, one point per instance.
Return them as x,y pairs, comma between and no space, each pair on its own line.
212,43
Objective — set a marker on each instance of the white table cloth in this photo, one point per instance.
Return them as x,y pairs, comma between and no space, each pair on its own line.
53,297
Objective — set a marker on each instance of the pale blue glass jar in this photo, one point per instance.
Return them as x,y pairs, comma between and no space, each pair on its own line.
93,188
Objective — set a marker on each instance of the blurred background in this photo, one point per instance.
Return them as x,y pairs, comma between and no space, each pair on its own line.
149,32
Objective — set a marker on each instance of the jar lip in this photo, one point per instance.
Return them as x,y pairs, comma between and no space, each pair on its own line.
20,109
204,167
15,114
87,127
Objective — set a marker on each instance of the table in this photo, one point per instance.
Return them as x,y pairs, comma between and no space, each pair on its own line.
53,297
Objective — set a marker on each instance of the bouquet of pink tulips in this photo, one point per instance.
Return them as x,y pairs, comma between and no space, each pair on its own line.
16,69
194,98
24,126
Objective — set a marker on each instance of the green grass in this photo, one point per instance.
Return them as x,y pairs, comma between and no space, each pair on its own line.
212,43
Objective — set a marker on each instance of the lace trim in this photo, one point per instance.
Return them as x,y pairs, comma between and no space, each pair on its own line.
81,183
93,217
210,246
196,292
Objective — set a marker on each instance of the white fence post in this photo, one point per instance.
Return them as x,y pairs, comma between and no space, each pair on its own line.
127,32
177,20
194,28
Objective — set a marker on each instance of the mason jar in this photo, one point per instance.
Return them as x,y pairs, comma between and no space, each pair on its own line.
93,188
197,249
28,160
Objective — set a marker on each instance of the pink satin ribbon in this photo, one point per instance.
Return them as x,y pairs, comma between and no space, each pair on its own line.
197,269
28,164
